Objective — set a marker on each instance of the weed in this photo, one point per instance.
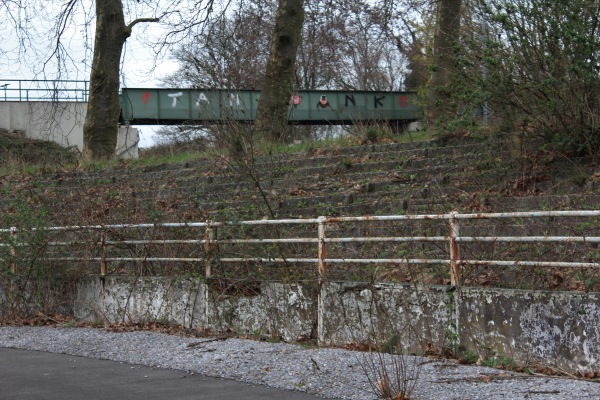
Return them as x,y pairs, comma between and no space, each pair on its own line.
391,375
326,210
468,357
579,179
375,133
30,283
151,158
499,362
154,214
69,324
97,324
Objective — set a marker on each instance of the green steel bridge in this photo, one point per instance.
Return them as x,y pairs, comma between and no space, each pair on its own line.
152,106
306,107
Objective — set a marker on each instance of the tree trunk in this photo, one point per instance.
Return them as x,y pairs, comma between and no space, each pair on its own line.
278,85
101,122
100,129
446,36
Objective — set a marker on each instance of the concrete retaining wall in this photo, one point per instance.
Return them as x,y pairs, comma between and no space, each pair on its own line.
358,312
559,328
130,299
59,122
279,310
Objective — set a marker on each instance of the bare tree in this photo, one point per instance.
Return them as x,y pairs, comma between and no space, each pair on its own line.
14,15
359,45
181,17
29,17
345,44
446,37
535,66
228,53
278,85
102,118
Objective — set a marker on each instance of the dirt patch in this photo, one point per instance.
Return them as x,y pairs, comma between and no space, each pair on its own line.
15,149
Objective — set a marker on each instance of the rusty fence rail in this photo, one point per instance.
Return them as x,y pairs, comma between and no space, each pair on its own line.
207,241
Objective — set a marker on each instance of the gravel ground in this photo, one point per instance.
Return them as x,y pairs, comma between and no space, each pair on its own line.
330,373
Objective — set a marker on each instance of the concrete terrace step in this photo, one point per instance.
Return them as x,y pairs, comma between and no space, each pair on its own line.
374,153
441,182
398,178
412,196
334,180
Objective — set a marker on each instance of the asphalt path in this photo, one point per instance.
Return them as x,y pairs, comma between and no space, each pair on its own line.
35,375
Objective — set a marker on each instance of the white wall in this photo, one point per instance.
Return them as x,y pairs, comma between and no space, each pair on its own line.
60,122
128,143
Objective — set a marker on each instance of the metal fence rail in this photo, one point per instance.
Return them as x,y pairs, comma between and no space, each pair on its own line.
44,90
105,239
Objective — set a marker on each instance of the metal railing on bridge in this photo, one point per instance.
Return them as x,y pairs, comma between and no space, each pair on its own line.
44,90
209,247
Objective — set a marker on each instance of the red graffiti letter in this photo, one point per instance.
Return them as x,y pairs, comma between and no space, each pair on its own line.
403,101
145,98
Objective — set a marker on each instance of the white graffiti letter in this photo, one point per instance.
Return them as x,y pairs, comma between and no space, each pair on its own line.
174,96
234,98
201,97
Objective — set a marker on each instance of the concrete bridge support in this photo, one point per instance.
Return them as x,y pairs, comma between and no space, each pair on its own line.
59,122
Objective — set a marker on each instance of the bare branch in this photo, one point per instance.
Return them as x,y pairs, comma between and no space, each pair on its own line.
141,20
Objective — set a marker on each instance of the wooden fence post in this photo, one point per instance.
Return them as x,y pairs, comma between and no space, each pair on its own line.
209,236
13,249
322,274
454,250
103,266
322,251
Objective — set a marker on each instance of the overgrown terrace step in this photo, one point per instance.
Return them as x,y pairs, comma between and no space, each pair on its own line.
311,185
371,205
351,189
367,154
410,170
441,182
332,158
589,201
440,179
303,167
219,194
474,161
210,166
220,182
336,181
358,150
282,187
393,205
409,197
383,202
289,174
188,176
